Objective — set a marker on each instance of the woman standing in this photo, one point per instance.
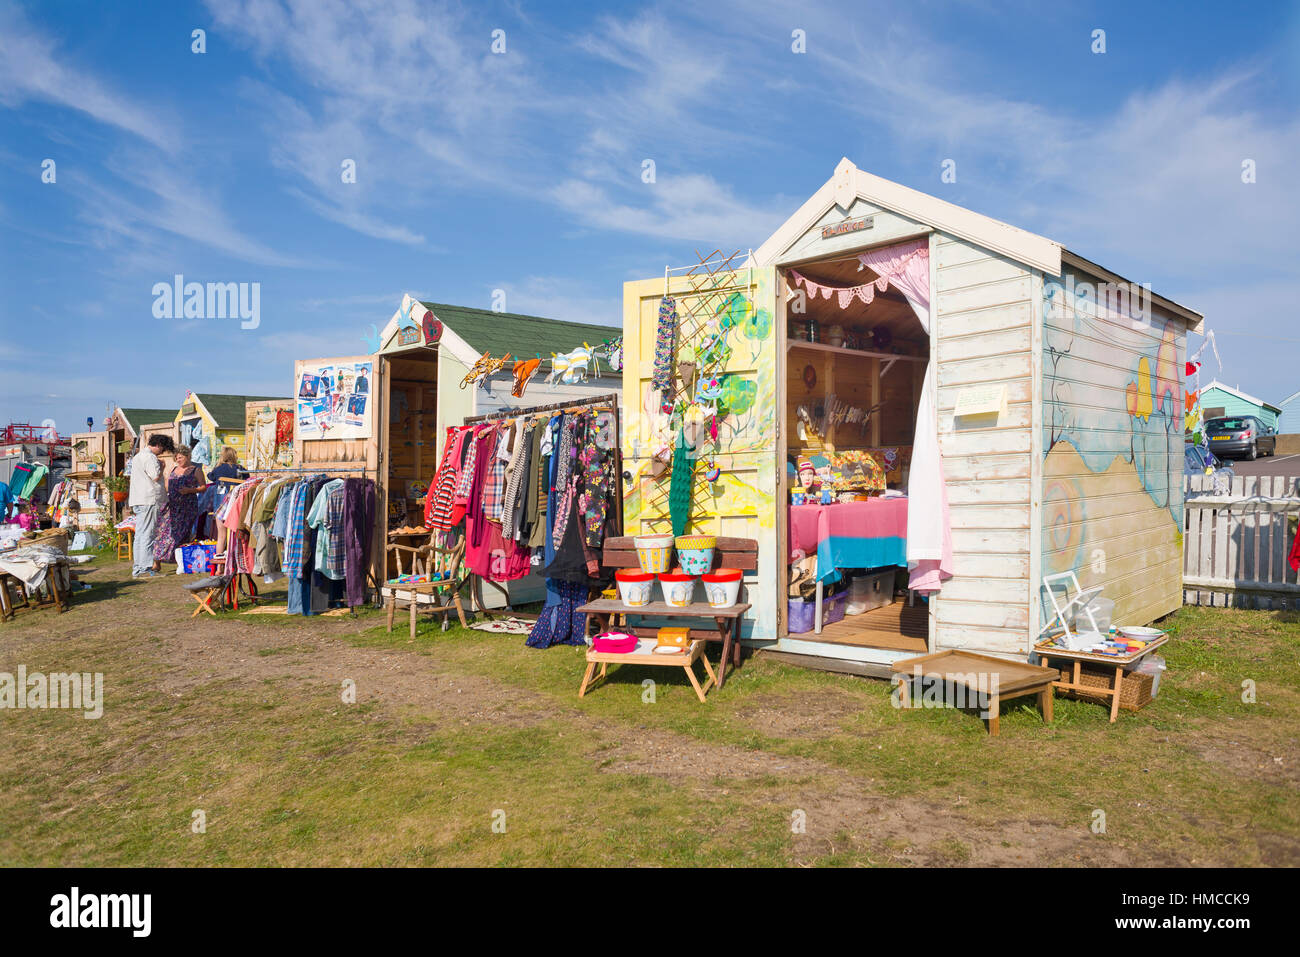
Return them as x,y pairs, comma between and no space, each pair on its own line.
176,522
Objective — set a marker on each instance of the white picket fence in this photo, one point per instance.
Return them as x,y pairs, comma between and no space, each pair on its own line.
1235,545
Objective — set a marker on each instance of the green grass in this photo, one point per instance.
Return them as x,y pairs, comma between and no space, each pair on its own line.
456,731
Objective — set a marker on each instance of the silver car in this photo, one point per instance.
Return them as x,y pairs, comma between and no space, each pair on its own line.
1240,435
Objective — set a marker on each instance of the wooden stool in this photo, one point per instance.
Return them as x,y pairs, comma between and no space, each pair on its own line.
205,590
125,544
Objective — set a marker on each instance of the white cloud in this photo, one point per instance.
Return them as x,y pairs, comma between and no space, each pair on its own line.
32,67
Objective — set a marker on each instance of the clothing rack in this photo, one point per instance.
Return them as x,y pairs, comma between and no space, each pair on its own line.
314,470
605,403
610,399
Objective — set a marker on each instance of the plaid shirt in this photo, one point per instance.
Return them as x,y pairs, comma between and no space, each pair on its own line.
494,483
294,532
327,518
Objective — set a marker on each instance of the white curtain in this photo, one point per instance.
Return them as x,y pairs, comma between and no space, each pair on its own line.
929,530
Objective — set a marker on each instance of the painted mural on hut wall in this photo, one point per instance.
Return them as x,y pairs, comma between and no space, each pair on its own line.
1113,441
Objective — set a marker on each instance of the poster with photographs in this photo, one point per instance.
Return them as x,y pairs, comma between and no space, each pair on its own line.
334,399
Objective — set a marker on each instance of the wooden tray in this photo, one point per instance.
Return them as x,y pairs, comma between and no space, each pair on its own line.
955,665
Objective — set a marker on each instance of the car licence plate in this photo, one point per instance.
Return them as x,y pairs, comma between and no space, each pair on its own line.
1220,438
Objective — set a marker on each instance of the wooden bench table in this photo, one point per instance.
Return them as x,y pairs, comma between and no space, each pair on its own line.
966,669
643,656
727,623
1047,651
737,553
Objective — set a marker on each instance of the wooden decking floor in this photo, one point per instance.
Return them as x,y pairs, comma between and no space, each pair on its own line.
897,627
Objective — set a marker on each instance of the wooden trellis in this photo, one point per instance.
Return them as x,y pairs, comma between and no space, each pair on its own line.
712,283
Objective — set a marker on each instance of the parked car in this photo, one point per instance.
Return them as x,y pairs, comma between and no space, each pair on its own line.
1198,460
1241,435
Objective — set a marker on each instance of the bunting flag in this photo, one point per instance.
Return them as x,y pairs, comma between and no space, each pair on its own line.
866,292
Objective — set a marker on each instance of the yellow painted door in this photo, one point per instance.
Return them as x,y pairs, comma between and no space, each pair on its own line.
726,328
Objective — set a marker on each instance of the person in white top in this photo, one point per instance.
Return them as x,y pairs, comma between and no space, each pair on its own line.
148,495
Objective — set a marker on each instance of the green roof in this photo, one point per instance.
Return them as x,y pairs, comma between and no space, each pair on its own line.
141,417
521,336
228,410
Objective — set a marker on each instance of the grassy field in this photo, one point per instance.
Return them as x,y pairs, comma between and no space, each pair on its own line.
467,748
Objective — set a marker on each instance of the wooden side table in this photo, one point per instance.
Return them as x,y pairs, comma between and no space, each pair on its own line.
683,659
726,623
1078,658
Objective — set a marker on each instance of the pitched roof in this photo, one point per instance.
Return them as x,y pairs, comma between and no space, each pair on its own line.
848,183
1246,396
140,417
520,335
228,410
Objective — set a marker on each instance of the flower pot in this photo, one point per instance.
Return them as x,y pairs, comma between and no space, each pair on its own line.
654,552
634,587
678,589
695,553
723,586
119,496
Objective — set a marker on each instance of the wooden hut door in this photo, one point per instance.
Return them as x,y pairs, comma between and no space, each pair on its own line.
86,448
725,359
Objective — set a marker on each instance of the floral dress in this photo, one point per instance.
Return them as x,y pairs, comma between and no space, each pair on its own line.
176,523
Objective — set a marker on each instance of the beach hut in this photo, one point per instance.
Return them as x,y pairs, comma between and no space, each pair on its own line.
1028,400
124,427
208,420
1218,399
1288,420
384,414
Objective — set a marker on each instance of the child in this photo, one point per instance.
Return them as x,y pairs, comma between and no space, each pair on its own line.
25,519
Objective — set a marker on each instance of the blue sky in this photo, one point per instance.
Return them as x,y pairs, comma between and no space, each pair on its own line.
522,171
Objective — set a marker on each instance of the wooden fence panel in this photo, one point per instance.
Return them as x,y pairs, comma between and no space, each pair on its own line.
1236,542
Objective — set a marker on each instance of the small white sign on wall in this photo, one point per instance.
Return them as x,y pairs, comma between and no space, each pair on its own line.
981,400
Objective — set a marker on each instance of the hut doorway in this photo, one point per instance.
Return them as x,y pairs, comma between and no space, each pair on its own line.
855,362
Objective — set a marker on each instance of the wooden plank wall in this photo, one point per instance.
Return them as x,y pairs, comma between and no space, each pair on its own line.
1112,422
1235,546
983,307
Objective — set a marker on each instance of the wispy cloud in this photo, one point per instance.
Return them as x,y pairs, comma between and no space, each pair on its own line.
32,67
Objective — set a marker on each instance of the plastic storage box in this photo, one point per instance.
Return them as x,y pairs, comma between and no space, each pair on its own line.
870,590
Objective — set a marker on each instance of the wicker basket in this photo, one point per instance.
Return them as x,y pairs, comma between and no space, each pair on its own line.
1134,692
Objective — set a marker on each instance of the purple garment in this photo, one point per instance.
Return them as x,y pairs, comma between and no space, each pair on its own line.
358,528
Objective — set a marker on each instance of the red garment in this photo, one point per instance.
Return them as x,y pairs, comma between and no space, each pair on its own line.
283,426
1294,557
498,559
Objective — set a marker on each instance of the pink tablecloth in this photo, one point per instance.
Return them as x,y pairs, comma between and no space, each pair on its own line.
850,534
